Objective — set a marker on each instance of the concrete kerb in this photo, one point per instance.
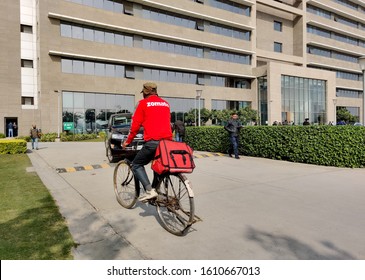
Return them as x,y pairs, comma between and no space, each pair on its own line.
94,237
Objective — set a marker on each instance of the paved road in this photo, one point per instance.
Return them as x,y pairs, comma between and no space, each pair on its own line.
252,208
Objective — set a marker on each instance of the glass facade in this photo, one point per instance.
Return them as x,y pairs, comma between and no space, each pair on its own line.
229,104
84,112
303,98
181,106
105,36
84,67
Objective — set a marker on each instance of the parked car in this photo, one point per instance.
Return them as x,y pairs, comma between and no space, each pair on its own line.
116,133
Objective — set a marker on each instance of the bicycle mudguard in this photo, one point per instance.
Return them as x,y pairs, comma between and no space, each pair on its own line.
190,190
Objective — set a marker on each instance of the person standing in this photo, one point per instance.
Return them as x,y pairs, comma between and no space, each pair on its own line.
15,129
34,134
179,128
153,114
233,127
10,130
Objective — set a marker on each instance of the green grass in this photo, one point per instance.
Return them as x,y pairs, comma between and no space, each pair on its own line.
31,227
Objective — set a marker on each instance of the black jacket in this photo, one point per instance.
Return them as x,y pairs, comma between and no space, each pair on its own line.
233,127
179,127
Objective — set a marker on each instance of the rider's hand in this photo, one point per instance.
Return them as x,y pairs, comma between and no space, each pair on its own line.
125,144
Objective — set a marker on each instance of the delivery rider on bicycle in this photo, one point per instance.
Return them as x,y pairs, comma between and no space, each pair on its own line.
153,114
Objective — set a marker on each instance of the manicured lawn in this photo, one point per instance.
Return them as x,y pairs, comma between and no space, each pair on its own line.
31,227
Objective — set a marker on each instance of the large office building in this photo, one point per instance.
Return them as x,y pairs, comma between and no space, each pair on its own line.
74,62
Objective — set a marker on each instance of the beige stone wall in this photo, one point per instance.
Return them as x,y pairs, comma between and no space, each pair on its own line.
10,91
52,42
52,46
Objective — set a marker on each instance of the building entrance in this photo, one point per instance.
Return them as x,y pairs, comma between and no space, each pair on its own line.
11,127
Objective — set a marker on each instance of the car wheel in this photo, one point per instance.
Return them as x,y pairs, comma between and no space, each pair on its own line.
109,155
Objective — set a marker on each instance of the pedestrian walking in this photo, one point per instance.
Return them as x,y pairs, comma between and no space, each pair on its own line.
179,128
233,127
34,134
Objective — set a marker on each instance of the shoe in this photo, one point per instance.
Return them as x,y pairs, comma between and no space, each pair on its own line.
148,195
237,157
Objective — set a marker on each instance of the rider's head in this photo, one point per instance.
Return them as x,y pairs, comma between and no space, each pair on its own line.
149,89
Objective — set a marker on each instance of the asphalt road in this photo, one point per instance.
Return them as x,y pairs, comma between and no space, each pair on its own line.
252,209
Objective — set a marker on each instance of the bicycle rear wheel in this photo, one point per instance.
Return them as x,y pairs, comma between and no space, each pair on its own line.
124,185
175,204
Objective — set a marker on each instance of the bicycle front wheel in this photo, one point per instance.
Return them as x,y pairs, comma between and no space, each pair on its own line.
175,204
124,185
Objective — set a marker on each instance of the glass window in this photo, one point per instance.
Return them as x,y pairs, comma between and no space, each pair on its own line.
87,2
100,101
129,71
119,71
89,68
119,39
99,69
109,37
66,30
118,7
77,32
128,41
278,47
26,63
89,100
99,36
110,101
79,120
98,4
108,5
78,67
78,100
110,70
278,26
26,29
89,34
27,100
303,98
66,65
124,103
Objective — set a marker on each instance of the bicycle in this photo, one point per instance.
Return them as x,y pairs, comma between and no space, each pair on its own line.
175,200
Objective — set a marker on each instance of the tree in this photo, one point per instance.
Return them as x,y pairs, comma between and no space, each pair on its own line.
219,117
248,115
342,114
193,114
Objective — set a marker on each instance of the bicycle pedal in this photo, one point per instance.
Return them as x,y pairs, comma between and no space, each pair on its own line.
197,219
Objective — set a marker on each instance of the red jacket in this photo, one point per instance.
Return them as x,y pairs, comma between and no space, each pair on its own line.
153,114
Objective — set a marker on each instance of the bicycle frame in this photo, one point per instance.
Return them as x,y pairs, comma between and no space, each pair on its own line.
174,203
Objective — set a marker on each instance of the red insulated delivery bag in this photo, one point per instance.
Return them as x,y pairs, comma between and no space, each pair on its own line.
173,157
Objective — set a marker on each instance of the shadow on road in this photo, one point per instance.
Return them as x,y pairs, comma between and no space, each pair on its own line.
285,247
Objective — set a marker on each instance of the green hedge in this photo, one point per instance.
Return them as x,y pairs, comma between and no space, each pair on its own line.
340,146
51,137
14,146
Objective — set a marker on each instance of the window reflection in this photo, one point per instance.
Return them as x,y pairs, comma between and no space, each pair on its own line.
89,112
303,98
